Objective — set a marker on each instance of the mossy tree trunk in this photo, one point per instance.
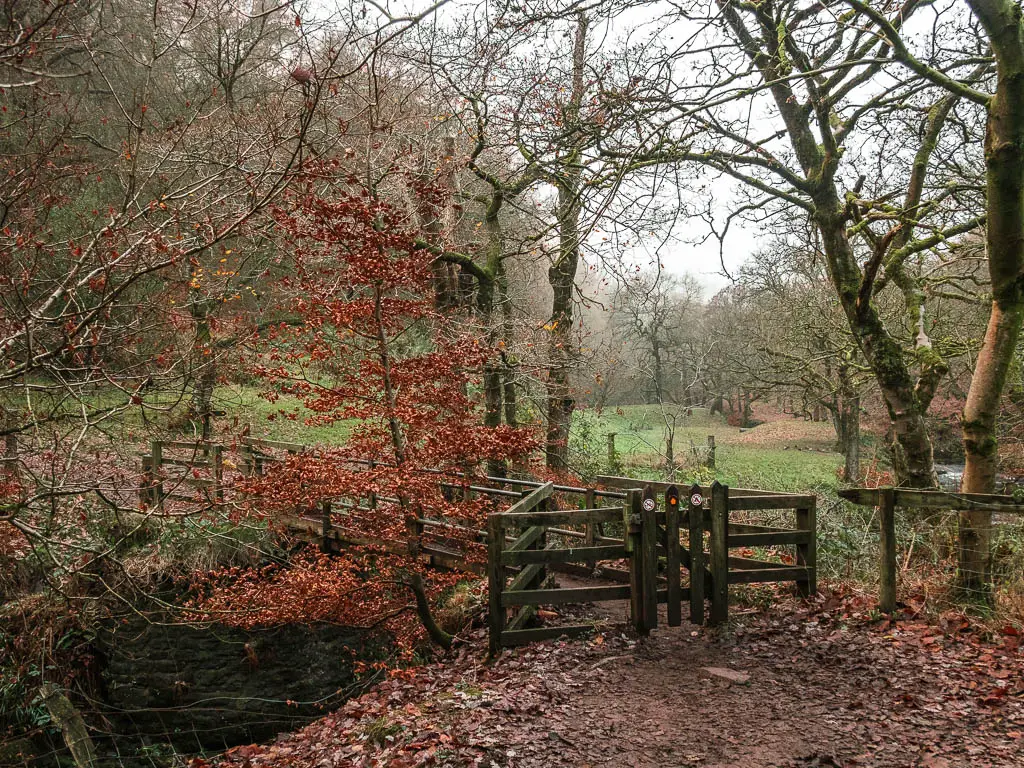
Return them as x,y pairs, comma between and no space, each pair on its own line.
906,398
845,410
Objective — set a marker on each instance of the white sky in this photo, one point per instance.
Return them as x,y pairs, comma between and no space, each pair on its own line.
690,249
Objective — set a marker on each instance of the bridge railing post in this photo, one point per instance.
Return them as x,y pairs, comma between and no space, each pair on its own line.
156,452
217,472
590,529
325,525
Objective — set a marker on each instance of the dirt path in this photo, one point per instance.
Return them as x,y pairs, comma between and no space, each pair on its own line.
785,692
794,687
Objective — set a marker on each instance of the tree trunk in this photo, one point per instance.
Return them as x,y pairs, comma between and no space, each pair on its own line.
913,459
414,582
433,213
493,391
9,465
981,446
849,438
562,273
670,453
511,399
1004,167
508,371
204,367
718,406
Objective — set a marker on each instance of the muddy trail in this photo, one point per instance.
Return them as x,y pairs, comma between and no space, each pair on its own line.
804,684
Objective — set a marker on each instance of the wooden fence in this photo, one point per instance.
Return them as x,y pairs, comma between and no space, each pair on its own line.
637,535
888,499
190,472
531,552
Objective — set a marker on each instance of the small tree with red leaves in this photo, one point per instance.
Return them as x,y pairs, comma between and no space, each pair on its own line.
371,350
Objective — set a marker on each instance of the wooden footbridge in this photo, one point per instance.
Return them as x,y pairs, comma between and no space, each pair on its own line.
650,543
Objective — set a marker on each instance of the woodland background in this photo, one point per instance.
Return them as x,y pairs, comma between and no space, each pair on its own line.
457,236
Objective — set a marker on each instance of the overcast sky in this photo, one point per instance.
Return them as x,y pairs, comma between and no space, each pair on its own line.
690,249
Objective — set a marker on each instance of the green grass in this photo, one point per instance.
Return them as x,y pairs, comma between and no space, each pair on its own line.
798,460
775,469
787,455
243,404
784,455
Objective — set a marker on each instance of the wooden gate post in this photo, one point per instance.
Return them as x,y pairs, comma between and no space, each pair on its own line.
672,571
695,523
631,514
495,581
719,553
649,544
807,553
887,522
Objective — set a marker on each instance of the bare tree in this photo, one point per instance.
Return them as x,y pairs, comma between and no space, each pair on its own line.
818,81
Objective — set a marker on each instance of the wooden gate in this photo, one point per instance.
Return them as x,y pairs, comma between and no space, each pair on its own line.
663,535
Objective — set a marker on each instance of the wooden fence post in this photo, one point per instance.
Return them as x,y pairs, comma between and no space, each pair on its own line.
495,580
710,463
76,735
612,457
887,523
649,543
807,553
672,570
146,484
719,553
325,524
590,534
156,450
247,454
217,470
695,523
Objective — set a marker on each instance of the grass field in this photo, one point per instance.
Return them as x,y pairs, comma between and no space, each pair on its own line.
783,454
271,420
